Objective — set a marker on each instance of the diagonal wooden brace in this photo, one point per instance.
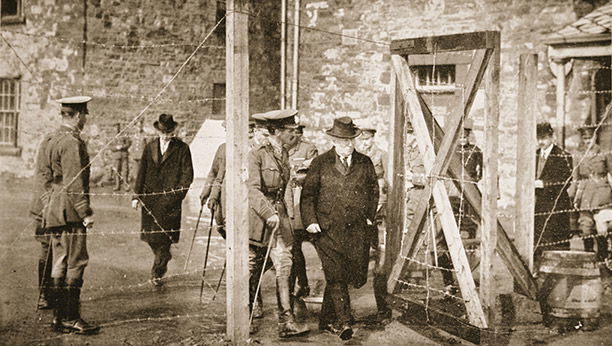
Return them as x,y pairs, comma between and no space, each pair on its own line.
449,226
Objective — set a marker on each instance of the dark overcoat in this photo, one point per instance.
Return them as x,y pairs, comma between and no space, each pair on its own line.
161,185
341,202
552,201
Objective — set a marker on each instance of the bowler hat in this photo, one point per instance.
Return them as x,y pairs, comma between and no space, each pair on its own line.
544,130
165,123
344,128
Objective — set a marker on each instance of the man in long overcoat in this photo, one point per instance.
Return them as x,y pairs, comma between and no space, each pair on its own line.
552,207
339,201
163,179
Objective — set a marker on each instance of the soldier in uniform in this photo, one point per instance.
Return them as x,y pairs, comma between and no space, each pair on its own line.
67,215
270,226
138,146
214,188
121,159
590,190
43,181
379,159
301,154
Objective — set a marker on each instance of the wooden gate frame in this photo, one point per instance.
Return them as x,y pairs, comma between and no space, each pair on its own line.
486,45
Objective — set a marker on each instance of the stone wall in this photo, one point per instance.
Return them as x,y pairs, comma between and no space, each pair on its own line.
129,65
346,76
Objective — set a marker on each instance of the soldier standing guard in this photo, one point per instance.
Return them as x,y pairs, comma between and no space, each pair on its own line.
379,160
590,190
121,158
67,215
269,223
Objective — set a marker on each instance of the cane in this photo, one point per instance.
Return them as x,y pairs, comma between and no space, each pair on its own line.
263,270
220,279
212,216
194,236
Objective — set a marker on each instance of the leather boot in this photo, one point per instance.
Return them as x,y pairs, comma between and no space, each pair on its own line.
43,285
58,301
287,325
73,321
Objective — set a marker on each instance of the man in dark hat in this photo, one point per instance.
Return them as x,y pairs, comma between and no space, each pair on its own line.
270,227
67,214
163,179
338,202
121,158
301,154
590,190
552,203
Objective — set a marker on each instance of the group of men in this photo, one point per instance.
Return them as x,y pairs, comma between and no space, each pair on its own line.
296,195
562,191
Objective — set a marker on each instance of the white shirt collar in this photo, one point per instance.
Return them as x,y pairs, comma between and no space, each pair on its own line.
546,152
163,145
349,158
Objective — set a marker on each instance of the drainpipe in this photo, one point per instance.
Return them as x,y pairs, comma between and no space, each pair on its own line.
296,56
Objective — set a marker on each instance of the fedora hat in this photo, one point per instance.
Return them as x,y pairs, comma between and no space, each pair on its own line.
344,128
165,123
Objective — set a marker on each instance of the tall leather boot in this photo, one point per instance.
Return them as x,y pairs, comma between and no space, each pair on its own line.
287,325
44,284
58,302
73,321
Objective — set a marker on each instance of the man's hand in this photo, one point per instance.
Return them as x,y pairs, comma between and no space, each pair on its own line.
135,203
313,228
88,221
212,203
273,222
539,184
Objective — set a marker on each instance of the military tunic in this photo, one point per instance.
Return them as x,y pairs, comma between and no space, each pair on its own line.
68,203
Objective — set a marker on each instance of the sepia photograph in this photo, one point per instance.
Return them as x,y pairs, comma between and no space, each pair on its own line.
306,172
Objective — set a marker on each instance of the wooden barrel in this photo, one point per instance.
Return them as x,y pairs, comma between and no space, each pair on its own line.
570,286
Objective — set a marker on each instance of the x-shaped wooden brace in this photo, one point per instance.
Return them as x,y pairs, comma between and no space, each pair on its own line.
421,119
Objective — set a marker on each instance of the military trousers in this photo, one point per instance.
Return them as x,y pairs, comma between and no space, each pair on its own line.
122,171
69,247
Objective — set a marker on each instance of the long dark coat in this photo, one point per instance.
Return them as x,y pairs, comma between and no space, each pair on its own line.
341,203
173,171
552,199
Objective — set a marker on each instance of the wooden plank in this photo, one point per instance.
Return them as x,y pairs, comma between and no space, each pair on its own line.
445,43
237,110
412,242
418,313
560,97
525,158
488,233
396,201
578,51
444,209
444,58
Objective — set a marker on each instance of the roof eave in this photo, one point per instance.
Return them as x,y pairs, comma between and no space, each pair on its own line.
554,40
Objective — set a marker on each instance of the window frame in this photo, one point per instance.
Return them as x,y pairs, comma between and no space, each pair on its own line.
19,18
11,148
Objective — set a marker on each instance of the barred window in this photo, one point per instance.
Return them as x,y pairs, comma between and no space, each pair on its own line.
11,11
9,111
435,78
218,102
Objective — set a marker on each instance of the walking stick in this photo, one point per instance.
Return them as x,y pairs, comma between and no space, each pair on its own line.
212,217
220,279
263,270
194,236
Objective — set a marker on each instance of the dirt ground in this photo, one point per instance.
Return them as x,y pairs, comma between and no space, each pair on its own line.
116,294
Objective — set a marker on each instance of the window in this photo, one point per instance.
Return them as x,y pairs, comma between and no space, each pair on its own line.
11,11
435,78
218,102
9,111
220,32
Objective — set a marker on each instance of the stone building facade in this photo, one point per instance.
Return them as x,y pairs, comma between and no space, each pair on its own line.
125,54
350,74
